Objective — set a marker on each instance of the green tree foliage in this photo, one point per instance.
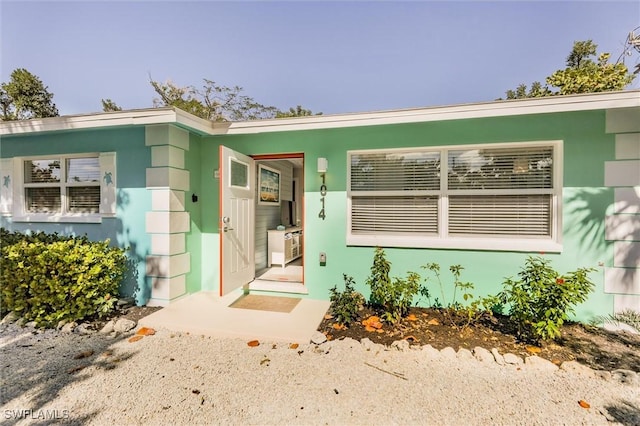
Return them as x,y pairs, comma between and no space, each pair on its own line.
24,96
108,105
218,103
581,75
298,111
211,102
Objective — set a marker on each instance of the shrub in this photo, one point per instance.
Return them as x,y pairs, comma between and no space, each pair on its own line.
393,297
64,279
541,300
346,304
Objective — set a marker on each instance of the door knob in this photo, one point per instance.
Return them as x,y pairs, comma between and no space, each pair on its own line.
225,224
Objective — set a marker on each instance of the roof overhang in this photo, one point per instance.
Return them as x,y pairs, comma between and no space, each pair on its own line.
545,105
165,115
171,115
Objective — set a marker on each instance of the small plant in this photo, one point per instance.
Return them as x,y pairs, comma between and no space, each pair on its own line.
472,311
392,296
346,304
457,285
628,317
541,300
435,268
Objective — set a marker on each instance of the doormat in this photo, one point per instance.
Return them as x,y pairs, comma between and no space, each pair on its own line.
266,303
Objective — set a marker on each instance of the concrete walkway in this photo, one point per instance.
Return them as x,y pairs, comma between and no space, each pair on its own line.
205,313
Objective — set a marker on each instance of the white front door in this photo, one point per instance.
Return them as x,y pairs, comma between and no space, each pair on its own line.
237,220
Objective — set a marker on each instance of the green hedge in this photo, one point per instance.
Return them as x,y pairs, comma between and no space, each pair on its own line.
47,278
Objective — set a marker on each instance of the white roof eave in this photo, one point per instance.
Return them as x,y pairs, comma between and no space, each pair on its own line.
171,115
167,115
567,103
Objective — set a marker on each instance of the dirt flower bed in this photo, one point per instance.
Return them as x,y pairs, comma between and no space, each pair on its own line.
592,346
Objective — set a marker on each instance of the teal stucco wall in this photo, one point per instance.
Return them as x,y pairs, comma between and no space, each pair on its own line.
127,228
585,199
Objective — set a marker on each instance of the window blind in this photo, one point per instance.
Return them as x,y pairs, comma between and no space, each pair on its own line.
83,170
409,171
517,215
398,215
83,199
501,168
43,200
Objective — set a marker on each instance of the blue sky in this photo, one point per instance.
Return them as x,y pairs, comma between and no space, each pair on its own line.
329,56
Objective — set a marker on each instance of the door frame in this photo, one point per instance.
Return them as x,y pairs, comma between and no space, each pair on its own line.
265,157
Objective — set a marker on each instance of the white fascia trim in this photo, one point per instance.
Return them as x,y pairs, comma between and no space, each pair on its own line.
168,115
567,103
171,115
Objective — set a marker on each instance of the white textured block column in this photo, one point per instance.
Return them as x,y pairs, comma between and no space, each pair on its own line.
623,120
163,290
168,221
626,254
625,302
622,281
168,266
623,226
168,177
167,155
168,276
167,200
168,244
627,200
628,146
166,134
622,173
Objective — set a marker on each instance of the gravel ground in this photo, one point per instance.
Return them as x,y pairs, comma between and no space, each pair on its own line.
171,378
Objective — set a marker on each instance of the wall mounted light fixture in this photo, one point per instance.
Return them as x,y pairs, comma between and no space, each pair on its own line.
323,166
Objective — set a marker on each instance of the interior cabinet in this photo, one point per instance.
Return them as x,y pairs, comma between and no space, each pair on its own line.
284,246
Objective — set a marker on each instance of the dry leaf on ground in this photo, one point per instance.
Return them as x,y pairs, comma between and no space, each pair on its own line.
584,404
135,338
146,331
533,349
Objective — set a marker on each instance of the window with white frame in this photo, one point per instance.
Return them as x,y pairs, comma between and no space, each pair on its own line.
62,185
66,187
491,197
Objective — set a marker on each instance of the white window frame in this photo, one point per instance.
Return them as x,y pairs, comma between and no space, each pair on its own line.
20,212
443,240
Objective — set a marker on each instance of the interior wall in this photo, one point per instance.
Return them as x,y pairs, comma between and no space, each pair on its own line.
298,175
268,217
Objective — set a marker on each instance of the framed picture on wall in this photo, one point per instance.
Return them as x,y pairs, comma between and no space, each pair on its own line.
268,186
